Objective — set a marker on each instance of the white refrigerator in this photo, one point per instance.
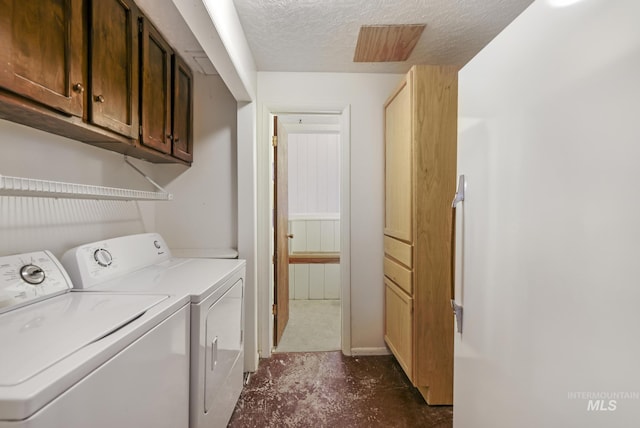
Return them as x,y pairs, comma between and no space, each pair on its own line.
548,233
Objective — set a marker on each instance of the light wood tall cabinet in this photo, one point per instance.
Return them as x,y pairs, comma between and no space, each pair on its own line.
420,178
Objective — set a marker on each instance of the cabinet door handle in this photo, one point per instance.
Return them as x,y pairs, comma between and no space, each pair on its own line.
169,137
99,98
290,236
175,140
78,88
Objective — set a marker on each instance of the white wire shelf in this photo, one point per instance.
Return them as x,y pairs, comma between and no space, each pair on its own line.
17,186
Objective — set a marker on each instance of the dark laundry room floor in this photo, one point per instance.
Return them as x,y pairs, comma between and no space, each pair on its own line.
328,389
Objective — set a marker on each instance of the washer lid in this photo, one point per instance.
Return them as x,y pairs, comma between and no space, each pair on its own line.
39,335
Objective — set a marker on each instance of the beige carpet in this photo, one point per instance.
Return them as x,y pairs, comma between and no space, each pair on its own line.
314,325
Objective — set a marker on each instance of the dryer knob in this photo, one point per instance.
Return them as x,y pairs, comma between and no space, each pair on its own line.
32,274
103,257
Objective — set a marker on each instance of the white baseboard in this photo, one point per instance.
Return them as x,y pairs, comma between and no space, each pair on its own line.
360,352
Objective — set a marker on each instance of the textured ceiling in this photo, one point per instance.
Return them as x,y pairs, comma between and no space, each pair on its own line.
321,35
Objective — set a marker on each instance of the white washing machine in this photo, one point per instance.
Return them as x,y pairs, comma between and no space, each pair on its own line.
77,360
215,287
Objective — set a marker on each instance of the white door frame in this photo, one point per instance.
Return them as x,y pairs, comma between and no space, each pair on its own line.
264,238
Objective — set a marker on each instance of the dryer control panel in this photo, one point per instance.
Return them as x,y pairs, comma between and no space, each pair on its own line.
97,262
27,278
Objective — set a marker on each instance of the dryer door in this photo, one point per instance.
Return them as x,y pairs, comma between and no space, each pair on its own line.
224,347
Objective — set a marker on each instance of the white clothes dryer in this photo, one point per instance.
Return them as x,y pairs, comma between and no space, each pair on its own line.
215,287
77,360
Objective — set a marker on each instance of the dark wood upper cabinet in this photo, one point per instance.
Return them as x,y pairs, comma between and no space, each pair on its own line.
41,52
95,71
113,66
155,93
182,110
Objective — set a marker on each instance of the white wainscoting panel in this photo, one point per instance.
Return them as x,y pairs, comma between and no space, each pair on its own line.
331,281
315,234
301,281
292,282
314,281
299,230
327,236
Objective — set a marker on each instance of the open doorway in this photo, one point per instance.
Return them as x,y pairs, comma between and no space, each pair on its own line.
307,170
265,248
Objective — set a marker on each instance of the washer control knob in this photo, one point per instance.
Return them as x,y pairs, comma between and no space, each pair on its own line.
32,274
103,257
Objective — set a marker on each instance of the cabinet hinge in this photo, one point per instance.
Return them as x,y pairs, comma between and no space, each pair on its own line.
274,309
140,130
140,25
274,141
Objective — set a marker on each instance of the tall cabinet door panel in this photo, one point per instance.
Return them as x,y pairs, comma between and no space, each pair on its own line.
398,325
114,66
182,110
155,99
398,169
41,52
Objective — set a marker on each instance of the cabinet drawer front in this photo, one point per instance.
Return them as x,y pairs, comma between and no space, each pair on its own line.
398,325
398,274
398,250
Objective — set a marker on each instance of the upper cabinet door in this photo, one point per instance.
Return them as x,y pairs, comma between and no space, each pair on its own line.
114,66
155,92
398,165
182,110
41,51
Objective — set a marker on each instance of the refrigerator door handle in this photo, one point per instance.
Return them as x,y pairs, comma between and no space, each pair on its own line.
458,197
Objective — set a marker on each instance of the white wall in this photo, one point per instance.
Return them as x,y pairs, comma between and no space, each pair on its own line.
203,213
28,224
366,94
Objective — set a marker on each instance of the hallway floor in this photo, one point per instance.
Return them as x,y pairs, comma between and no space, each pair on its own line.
327,389
314,325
